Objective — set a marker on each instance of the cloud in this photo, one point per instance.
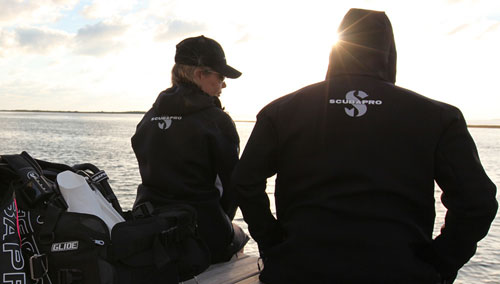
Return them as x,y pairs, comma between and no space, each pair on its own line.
105,8
100,39
10,8
7,41
245,37
32,11
478,29
40,39
177,28
458,29
493,28
31,40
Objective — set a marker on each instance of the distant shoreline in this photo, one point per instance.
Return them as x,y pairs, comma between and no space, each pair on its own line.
483,126
143,112
69,111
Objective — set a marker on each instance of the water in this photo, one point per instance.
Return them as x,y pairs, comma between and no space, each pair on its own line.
104,140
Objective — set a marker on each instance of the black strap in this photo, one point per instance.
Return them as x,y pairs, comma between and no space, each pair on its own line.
52,215
22,164
37,186
143,210
100,177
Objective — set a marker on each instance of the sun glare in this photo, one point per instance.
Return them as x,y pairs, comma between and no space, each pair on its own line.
335,39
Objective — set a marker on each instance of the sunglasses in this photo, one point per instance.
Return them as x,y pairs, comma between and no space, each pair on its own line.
220,76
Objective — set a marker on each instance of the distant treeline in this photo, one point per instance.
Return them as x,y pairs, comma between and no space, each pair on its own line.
483,126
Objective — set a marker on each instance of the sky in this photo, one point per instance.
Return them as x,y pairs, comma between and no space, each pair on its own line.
104,55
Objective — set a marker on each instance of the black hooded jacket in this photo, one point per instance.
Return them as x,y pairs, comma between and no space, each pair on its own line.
356,159
187,147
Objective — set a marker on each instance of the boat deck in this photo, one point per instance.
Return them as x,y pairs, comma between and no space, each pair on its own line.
242,269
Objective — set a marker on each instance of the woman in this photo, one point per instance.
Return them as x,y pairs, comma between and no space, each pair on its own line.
187,146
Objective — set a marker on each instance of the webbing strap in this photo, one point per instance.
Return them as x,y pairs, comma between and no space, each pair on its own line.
99,177
22,164
52,215
37,187
143,210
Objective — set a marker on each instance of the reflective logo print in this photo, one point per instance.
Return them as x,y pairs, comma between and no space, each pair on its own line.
66,246
164,122
32,175
357,101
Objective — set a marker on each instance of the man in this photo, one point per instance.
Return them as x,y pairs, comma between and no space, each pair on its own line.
356,158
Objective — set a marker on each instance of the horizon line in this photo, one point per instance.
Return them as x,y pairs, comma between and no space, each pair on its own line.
96,112
143,112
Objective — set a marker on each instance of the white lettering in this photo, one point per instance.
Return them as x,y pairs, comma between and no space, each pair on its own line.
66,246
352,102
8,222
10,211
16,258
166,118
14,278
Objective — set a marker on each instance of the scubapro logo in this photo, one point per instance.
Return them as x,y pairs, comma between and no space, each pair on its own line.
164,122
357,101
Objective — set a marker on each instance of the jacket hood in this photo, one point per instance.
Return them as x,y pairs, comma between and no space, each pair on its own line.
183,99
365,47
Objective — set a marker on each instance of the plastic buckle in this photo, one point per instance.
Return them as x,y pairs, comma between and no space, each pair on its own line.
39,266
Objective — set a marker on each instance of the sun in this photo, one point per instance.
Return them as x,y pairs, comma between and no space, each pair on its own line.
334,39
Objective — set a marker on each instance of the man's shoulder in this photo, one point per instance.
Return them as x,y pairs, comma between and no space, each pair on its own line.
420,99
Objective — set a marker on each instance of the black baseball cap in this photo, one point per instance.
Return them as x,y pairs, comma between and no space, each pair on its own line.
204,51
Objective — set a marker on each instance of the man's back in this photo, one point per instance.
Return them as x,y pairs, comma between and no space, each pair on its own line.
356,158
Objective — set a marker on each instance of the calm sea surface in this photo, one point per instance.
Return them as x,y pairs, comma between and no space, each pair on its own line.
104,140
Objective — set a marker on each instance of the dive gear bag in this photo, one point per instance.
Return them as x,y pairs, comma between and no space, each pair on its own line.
46,243
57,246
